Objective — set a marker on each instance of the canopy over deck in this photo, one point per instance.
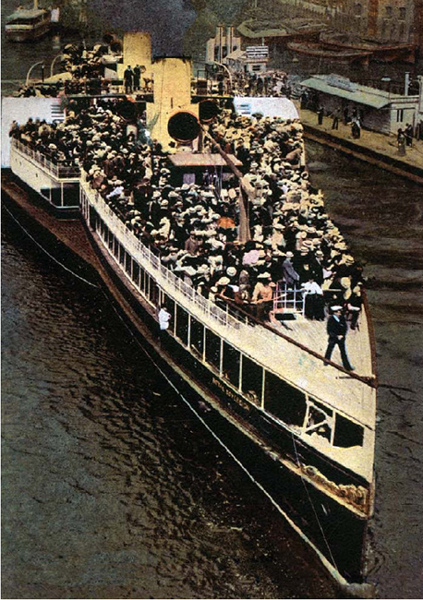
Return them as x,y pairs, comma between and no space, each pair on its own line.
191,159
268,107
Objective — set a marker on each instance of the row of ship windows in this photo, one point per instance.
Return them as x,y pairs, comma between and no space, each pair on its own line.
258,385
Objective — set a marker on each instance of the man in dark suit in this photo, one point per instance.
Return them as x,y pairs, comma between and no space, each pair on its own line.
337,331
128,78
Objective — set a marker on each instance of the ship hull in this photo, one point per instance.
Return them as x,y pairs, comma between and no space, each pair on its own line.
399,52
319,519
27,35
267,451
317,51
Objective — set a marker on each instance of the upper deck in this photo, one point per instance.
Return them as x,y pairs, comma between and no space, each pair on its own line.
349,395
56,169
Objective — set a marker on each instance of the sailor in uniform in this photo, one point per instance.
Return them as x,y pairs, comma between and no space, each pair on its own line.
337,331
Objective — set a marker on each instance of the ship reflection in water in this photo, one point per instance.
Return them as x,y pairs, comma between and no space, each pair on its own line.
149,503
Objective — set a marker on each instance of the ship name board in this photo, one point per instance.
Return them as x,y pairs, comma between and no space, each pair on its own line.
257,52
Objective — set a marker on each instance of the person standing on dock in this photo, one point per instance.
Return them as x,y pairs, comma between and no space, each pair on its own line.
401,142
290,275
335,117
320,114
337,332
408,132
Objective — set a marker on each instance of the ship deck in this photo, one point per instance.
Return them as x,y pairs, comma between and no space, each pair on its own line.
312,334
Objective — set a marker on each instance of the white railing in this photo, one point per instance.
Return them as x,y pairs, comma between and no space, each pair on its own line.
288,300
151,263
59,170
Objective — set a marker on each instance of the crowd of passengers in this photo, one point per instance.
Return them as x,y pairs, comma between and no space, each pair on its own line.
271,83
194,228
84,69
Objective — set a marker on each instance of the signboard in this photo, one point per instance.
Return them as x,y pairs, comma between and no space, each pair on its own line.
268,107
257,52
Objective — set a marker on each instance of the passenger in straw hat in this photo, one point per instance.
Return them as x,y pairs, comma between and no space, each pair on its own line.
263,296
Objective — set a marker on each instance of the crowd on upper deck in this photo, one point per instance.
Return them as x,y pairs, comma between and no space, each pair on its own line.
193,227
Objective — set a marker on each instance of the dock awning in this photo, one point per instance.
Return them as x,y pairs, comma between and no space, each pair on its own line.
190,159
360,95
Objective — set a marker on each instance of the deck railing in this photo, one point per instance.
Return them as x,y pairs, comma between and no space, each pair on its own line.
152,263
57,169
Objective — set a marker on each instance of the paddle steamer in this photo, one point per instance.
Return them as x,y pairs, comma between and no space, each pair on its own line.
28,24
304,427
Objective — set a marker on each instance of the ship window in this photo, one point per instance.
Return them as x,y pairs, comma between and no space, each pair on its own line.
402,12
358,9
146,285
106,234
111,241
197,336
319,420
46,192
122,255
56,199
116,248
182,324
153,292
252,380
142,279
284,401
135,272
231,362
70,194
400,115
388,11
347,433
213,349
128,262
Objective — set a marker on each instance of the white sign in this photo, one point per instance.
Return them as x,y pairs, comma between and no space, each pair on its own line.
268,107
257,51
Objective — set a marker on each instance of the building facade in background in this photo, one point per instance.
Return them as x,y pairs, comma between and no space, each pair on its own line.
396,21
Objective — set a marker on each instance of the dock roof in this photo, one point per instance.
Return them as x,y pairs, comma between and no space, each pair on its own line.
344,88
